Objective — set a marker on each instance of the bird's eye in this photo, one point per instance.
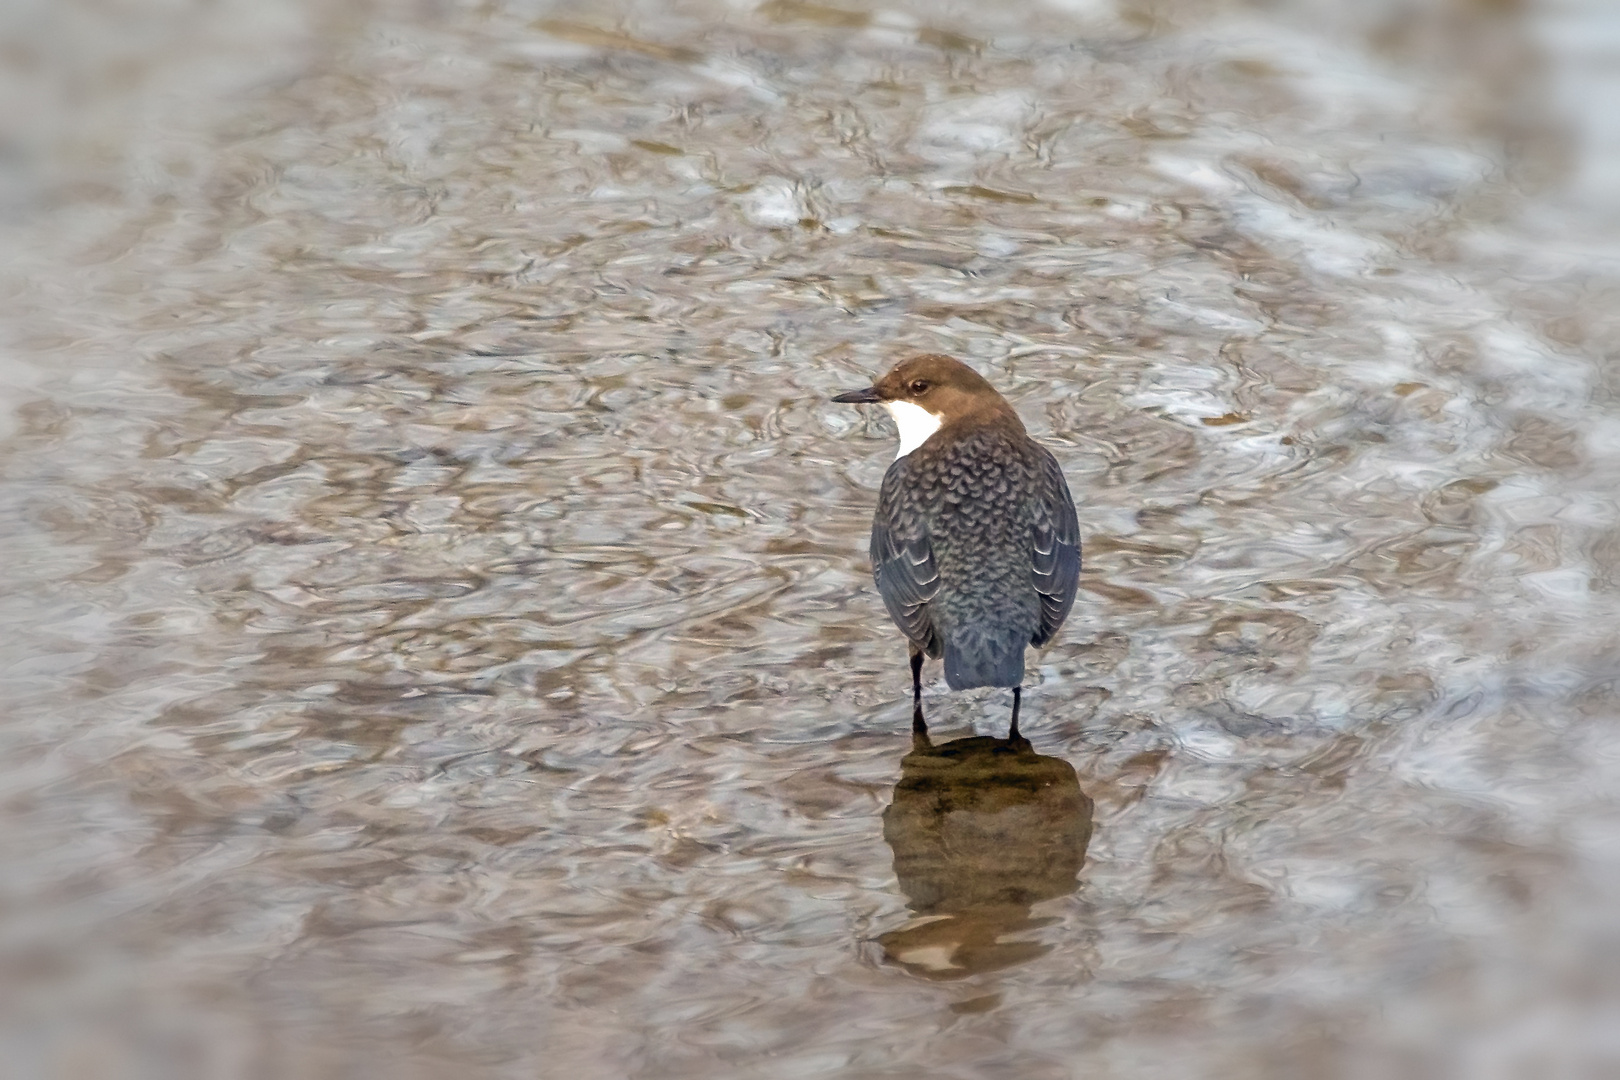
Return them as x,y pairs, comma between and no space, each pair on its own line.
919,387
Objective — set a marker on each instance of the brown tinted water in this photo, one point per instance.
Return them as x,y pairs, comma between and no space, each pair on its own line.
438,629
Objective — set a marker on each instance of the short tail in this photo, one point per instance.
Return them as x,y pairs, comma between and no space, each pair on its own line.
984,660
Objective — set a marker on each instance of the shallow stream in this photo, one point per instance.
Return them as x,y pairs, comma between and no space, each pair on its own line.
436,612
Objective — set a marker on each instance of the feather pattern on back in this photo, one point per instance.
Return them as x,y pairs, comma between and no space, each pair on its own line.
976,550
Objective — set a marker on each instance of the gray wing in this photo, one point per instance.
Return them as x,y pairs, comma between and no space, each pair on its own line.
903,561
1055,545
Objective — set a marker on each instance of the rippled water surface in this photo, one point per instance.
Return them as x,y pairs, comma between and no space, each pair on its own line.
439,633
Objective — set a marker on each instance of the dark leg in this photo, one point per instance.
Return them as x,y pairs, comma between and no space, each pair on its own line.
919,726
1012,732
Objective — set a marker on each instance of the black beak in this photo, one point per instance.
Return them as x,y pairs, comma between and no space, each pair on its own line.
869,396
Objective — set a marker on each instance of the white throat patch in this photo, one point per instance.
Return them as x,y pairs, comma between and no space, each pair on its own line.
916,424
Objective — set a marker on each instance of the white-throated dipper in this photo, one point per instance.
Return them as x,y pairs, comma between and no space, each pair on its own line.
975,543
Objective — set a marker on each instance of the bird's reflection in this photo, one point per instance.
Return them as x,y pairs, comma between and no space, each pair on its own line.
982,829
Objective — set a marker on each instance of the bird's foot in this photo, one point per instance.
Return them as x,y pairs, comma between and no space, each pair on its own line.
919,729
1012,729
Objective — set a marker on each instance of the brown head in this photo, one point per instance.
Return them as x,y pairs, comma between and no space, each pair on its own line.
924,393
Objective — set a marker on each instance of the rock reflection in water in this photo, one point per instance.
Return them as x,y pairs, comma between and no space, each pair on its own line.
982,829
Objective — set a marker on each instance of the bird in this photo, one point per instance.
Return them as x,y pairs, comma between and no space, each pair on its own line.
975,542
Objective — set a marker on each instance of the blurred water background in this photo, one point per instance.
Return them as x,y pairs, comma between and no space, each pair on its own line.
436,622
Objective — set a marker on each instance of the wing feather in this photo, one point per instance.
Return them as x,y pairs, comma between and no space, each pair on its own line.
1055,549
903,561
